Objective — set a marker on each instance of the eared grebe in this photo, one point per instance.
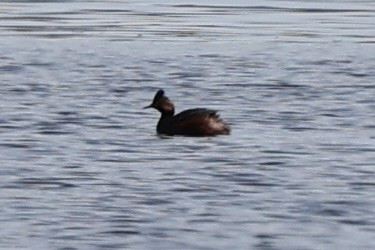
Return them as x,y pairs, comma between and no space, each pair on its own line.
191,122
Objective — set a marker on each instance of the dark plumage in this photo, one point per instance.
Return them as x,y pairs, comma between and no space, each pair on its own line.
191,122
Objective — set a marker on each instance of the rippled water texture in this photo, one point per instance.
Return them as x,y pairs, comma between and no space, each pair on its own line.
81,165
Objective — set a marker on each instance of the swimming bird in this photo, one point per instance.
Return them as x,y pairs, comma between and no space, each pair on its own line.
191,122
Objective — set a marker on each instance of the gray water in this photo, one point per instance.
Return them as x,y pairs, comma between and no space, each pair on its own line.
81,165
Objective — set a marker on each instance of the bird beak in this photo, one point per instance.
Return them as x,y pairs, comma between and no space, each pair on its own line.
149,106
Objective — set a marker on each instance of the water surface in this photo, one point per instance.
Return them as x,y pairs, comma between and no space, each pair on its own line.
82,167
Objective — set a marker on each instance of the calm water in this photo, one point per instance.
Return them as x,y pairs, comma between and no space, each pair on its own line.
81,165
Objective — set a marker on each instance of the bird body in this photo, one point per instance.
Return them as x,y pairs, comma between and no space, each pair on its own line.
191,122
